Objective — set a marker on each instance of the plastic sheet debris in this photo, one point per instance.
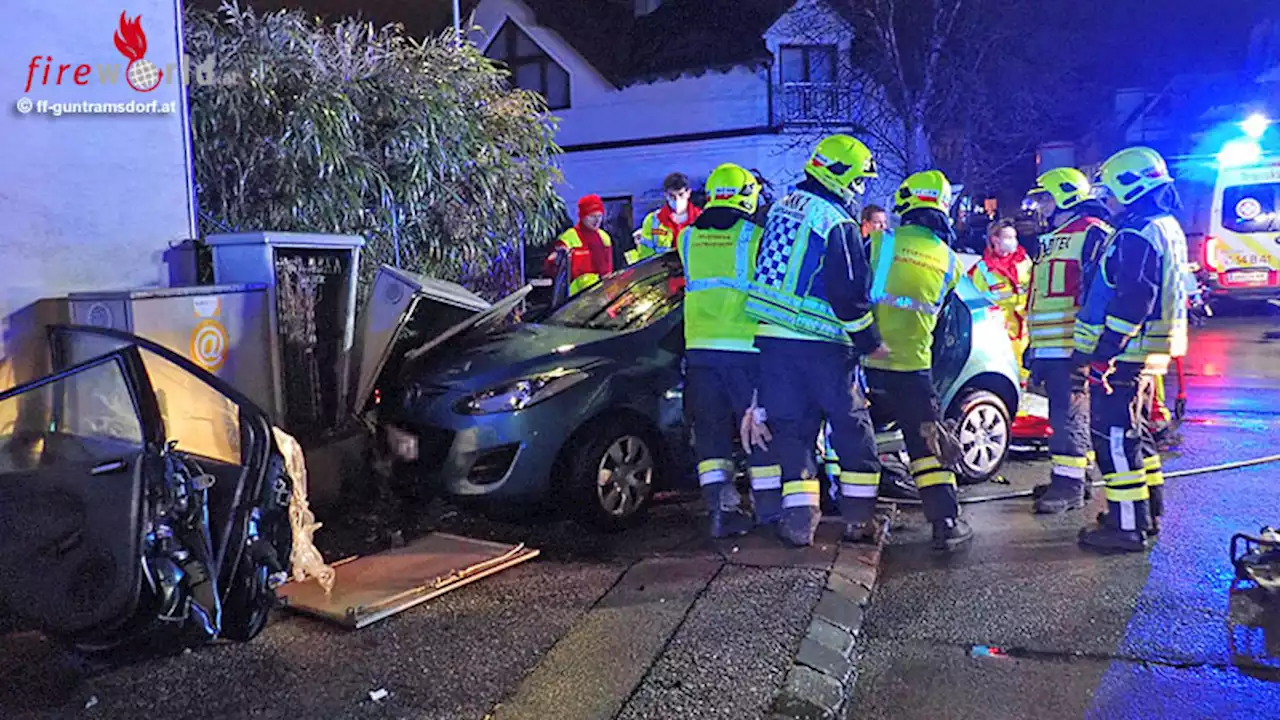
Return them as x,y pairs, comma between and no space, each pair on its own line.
986,651
379,695
93,700
306,559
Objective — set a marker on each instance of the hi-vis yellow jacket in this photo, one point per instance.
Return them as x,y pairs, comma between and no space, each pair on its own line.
913,270
1057,284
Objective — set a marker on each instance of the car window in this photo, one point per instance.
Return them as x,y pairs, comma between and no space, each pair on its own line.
1251,208
85,417
200,419
630,299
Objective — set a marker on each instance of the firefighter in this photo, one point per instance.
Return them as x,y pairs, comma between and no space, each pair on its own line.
1066,253
809,291
658,232
1134,317
914,269
719,253
582,254
1004,274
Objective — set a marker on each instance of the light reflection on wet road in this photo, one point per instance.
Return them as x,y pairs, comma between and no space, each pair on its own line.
1099,637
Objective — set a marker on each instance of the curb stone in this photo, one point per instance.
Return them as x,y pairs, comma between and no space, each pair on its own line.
822,675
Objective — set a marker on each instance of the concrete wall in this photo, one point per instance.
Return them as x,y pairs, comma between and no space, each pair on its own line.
88,201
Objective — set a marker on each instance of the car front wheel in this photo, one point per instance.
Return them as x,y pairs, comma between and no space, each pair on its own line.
613,475
983,429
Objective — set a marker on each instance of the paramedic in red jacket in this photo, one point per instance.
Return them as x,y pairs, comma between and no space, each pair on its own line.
586,248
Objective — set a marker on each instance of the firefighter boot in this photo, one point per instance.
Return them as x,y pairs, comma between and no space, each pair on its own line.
1109,537
861,524
951,534
867,532
798,525
1061,495
725,519
768,505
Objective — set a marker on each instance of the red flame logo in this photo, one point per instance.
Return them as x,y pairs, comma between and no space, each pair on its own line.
131,41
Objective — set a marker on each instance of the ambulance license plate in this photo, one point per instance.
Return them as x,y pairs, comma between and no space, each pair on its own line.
402,444
1248,277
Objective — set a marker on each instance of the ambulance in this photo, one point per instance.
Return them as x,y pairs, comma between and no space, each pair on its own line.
1241,251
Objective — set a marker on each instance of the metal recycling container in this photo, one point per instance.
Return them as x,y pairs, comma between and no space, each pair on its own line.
221,328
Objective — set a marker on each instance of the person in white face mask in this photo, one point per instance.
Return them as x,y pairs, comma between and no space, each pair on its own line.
1004,273
658,232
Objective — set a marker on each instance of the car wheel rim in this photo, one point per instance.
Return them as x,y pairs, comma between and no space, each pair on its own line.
984,433
625,476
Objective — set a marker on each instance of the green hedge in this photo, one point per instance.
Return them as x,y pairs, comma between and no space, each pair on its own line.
348,128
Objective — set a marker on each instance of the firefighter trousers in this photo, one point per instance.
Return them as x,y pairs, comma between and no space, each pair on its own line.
803,383
1125,447
1070,446
717,391
909,399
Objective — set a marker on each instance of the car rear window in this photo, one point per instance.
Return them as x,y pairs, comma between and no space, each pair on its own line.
1251,208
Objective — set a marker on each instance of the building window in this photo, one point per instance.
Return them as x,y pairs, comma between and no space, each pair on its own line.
811,91
531,68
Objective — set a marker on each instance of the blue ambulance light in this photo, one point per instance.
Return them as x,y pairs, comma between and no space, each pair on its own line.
1240,152
1255,126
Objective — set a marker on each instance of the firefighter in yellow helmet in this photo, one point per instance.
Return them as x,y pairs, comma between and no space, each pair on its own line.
1066,256
719,253
914,270
809,292
1134,318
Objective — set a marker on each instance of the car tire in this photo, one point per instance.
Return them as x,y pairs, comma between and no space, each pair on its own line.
629,451
984,430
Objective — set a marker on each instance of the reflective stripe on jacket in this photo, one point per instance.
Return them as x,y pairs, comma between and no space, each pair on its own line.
913,270
582,271
1144,337
1057,284
787,293
717,270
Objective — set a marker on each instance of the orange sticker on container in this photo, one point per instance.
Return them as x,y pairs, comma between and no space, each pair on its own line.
209,345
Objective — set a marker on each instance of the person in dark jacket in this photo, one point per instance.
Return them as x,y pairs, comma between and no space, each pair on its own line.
810,294
1133,320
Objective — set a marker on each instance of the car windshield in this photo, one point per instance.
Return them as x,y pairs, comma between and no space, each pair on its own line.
1251,208
629,299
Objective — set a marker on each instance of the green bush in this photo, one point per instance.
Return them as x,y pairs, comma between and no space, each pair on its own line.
348,128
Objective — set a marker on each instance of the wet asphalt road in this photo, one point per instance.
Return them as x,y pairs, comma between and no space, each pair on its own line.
651,623
654,623
1154,636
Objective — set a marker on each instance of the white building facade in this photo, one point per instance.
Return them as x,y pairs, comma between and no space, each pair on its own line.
89,201
763,104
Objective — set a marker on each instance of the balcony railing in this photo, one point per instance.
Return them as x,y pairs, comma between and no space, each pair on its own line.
813,104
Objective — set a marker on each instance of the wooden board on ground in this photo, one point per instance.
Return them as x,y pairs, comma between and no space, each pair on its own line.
368,589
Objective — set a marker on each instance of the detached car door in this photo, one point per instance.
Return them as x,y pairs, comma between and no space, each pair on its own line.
228,438
74,449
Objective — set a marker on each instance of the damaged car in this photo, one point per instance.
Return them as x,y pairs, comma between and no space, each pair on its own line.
143,501
584,407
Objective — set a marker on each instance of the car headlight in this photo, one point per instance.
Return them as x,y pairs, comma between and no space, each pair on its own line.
520,394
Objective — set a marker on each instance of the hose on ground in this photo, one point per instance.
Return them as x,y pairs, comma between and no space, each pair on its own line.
1189,472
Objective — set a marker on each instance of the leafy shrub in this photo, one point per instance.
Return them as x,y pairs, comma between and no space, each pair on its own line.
418,146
